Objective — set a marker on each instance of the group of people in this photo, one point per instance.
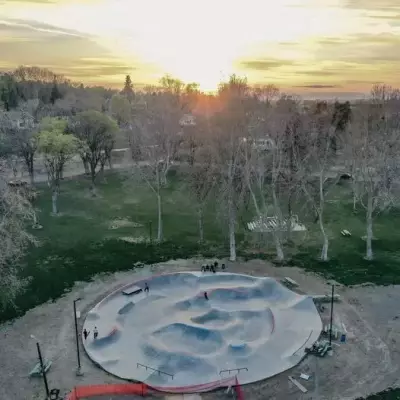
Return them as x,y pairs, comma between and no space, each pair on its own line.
212,267
95,333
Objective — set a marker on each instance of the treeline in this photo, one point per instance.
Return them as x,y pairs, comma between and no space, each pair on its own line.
251,143
55,94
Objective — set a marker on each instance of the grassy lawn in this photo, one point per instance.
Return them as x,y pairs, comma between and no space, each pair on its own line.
347,263
390,394
80,243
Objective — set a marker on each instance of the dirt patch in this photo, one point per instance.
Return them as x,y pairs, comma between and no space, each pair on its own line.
78,214
132,201
123,223
132,239
368,362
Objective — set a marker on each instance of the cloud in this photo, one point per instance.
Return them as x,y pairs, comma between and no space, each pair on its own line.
361,49
19,27
349,95
265,64
318,86
379,5
64,51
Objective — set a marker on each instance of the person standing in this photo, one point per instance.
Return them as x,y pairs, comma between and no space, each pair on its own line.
85,333
95,332
146,288
206,295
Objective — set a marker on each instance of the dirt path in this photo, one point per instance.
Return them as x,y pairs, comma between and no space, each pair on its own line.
368,362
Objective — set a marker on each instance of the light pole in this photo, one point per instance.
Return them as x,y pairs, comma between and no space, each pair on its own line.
330,330
78,371
151,231
46,385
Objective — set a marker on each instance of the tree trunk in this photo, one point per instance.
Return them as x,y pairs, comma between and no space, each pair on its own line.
93,180
290,213
277,232
369,254
164,177
325,246
201,227
253,197
232,238
280,256
54,198
160,222
30,170
86,166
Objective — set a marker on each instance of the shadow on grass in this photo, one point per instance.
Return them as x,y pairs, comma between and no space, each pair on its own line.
389,394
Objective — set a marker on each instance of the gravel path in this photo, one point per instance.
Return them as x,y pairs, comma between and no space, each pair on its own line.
368,362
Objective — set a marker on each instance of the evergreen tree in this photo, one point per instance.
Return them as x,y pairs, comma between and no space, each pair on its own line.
55,93
8,92
128,88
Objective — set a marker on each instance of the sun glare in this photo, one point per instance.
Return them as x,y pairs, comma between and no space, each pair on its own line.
193,41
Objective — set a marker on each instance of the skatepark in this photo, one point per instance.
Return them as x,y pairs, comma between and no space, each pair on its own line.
176,339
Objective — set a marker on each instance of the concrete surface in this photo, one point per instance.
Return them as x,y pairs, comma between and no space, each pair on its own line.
247,322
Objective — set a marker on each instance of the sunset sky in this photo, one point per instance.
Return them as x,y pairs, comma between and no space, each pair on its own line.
332,47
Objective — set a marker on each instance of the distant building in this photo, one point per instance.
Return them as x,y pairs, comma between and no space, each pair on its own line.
20,120
187,120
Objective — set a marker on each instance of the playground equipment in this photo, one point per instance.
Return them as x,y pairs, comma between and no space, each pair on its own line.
271,224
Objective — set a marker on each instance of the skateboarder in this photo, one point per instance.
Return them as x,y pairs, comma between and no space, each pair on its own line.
85,333
206,295
95,332
146,288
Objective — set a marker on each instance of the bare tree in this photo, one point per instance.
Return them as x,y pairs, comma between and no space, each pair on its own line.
15,212
229,126
376,144
154,140
21,128
315,166
262,167
201,181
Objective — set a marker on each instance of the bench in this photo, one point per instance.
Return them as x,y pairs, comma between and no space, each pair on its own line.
132,290
37,370
289,282
325,298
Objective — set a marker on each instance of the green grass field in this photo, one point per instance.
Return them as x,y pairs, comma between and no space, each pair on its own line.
79,244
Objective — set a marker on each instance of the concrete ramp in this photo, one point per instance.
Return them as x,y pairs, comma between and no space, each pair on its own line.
252,328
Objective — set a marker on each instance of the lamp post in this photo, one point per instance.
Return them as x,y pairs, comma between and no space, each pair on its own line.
78,371
46,385
330,330
151,231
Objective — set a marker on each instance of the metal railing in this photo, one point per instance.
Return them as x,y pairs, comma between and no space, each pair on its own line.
155,370
233,369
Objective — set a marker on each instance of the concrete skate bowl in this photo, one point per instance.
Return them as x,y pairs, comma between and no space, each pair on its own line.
175,340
